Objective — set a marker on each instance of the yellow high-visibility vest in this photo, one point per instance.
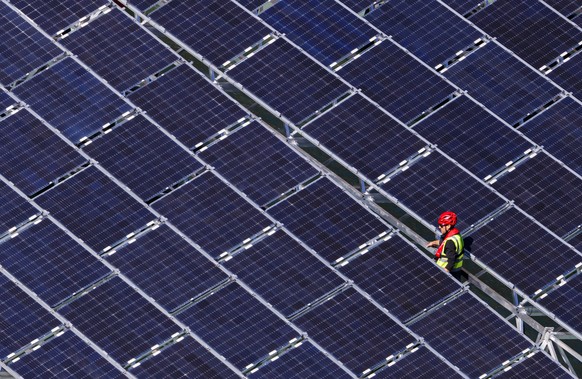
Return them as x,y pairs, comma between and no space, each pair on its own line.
459,245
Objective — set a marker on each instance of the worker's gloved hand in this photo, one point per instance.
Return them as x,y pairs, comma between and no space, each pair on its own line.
434,243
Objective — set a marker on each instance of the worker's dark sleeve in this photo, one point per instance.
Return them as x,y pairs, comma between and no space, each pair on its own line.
451,254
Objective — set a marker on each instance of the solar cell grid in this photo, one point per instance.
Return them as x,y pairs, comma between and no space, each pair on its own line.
213,215
576,242
566,303
142,157
23,48
515,247
434,184
358,5
119,320
14,210
285,274
288,80
257,163
399,278
237,325
347,129
356,332
396,81
479,341
473,137
187,105
166,267
568,75
66,356
71,99
420,364
5,102
119,50
94,208
217,29
569,8
539,366
327,220
557,129
462,6
502,83
50,263
32,156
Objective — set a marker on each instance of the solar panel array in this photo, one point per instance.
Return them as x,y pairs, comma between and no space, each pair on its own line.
152,227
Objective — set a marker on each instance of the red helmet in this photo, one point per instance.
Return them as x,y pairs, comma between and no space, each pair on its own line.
447,218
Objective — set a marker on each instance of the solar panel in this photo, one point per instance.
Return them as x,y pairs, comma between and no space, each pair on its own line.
66,356
354,331
22,317
53,15
304,362
50,263
473,137
187,105
252,329
538,366
396,81
285,274
400,278
94,208
257,163
123,61
119,320
325,29
288,81
32,155
420,364
568,76
71,99
477,341
517,23
427,29
14,210
213,215
547,191
142,157
566,302
23,48
511,244
327,220
346,130
502,83
5,102
568,8
434,184
217,29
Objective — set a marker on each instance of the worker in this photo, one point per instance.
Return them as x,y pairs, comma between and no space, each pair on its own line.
449,254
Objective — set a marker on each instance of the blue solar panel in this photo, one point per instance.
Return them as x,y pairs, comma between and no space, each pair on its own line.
217,29
32,155
166,267
5,102
257,163
400,278
50,263
237,325
142,157
119,320
564,140
71,99
539,366
512,245
566,303
187,105
185,359
14,210
284,273
481,344
327,219
547,191
325,29
517,23
576,242
427,29
212,214
66,356
125,60
396,81
421,364
22,48
288,80
462,6
346,130
567,8
434,184
53,15
95,208
304,362
502,83
473,137
22,319
354,331
568,75
358,5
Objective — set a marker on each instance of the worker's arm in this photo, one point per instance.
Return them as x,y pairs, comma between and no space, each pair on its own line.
451,253
434,243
